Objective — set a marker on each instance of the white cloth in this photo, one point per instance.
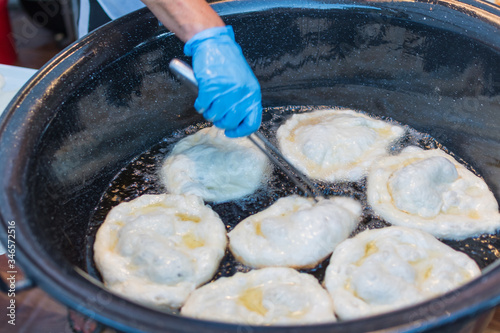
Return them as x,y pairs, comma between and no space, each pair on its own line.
113,8
117,8
83,20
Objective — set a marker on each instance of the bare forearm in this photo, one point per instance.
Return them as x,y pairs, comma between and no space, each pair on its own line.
185,17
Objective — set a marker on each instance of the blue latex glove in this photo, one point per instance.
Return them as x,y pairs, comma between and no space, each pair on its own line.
228,91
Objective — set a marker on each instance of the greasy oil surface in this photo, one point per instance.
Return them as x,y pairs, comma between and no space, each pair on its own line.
141,177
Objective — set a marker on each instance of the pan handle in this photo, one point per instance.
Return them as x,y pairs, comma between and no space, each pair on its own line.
12,278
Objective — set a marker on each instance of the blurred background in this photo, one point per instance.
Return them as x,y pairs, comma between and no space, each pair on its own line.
33,31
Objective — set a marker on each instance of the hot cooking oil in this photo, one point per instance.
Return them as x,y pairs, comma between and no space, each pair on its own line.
140,177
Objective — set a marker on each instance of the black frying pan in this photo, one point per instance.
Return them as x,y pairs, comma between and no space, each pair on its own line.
110,97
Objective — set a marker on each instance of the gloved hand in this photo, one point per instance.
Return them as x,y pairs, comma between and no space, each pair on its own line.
228,91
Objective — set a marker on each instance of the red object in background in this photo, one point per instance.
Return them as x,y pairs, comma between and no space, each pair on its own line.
7,52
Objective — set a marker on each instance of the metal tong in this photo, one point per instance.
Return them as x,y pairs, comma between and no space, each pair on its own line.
185,74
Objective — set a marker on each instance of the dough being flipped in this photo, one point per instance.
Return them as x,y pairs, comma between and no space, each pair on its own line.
381,270
431,191
157,249
215,167
294,232
336,144
267,296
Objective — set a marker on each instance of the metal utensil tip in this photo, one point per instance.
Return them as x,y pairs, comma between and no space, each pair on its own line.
185,74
